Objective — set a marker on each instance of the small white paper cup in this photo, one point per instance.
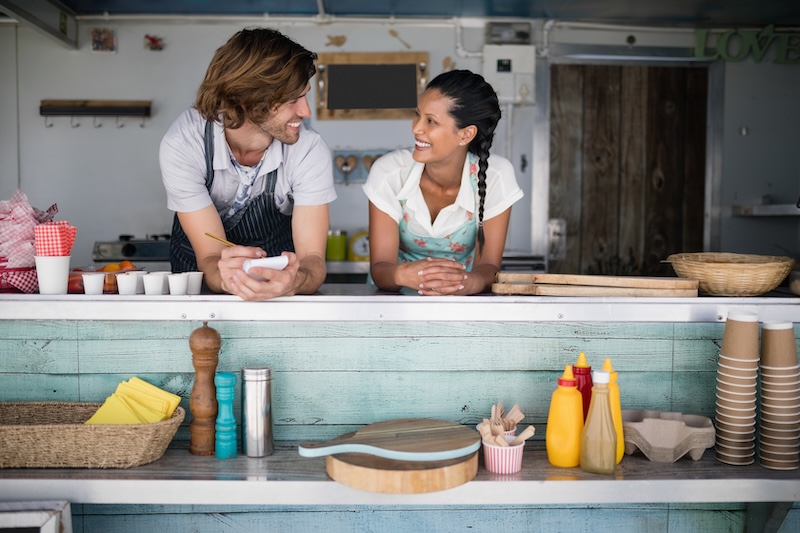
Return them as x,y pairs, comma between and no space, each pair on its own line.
503,459
154,283
93,282
139,275
126,283
195,282
178,283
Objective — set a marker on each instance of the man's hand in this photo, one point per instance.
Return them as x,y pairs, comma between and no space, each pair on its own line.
236,281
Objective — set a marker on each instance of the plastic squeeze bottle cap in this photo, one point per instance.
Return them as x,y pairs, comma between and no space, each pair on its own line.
582,363
608,368
567,379
600,376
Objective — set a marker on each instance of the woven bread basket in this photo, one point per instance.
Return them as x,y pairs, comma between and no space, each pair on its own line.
730,274
53,435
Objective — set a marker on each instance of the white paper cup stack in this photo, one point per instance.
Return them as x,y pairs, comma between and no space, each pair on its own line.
737,375
779,430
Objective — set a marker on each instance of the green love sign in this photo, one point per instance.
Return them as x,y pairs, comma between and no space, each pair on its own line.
737,45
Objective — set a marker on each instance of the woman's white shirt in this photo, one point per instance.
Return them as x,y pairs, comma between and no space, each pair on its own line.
395,177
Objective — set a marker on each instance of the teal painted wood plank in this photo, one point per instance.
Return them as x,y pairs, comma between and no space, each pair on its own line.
134,330
39,388
374,353
97,330
697,355
442,329
431,520
38,329
694,393
38,356
700,330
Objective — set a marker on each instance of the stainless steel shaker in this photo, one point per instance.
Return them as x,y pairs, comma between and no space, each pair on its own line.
257,412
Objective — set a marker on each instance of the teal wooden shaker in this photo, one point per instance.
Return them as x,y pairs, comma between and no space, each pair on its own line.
225,437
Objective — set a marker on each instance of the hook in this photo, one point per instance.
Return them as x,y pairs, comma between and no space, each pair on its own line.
142,124
119,124
96,124
47,123
74,123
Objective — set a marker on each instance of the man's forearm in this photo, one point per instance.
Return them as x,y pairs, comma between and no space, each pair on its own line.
310,274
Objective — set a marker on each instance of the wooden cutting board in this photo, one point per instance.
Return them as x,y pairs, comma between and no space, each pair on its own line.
405,439
376,474
404,456
586,285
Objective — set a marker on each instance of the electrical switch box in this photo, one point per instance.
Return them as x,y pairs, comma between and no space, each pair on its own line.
509,69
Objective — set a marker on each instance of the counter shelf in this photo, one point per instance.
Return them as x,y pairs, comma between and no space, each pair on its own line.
360,303
285,478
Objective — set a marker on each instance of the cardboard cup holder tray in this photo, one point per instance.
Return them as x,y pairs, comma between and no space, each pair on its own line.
665,437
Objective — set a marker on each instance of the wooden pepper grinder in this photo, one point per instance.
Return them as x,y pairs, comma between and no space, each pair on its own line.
204,343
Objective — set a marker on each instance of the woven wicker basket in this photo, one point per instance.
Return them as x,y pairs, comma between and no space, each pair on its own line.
729,274
53,435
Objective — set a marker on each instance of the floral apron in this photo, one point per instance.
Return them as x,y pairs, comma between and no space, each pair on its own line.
457,246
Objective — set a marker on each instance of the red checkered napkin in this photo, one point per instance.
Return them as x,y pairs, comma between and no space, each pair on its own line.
54,238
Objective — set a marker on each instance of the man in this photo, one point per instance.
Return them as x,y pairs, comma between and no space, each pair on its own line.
241,165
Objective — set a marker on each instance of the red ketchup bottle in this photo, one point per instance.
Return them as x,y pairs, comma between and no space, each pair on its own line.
583,376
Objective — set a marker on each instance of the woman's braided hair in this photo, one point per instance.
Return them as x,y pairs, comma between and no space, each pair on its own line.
473,102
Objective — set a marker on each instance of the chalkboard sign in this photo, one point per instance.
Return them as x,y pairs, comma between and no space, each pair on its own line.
370,85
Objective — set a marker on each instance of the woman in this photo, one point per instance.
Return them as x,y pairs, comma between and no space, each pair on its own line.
438,215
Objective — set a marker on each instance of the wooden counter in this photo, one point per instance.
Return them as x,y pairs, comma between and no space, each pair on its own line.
348,357
358,303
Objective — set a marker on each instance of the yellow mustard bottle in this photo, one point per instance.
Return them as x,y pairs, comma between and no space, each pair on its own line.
565,422
616,407
599,440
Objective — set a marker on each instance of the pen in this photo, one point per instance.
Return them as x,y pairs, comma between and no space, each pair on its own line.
223,241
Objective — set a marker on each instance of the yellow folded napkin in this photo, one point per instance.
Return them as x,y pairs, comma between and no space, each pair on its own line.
114,411
136,402
172,399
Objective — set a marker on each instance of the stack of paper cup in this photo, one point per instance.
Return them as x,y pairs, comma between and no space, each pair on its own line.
737,374
779,430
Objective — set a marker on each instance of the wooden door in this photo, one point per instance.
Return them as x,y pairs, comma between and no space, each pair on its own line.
627,165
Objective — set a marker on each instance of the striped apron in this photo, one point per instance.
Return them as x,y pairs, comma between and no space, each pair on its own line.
259,224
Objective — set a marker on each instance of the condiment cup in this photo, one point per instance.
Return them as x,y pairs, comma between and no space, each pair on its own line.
195,282
154,283
178,283
126,283
503,459
139,275
93,282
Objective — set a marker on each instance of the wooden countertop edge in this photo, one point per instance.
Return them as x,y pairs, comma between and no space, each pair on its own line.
285,478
